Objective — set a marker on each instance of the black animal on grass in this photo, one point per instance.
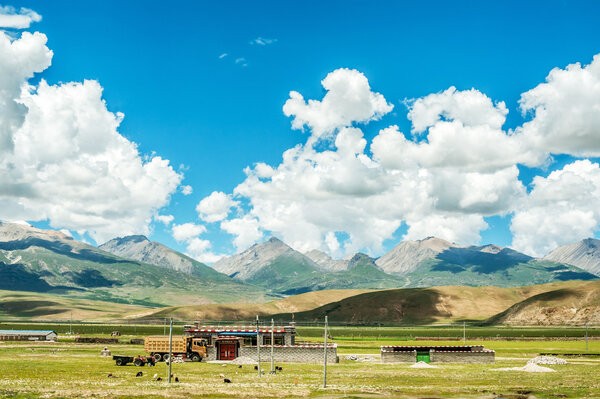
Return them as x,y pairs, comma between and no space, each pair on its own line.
176,379
139,374
255,367
226,380
278,368
240,366
159,379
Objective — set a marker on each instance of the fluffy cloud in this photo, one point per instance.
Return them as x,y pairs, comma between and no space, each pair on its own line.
199,249
566,111
471,107
164,219
63,157
17,19
215,207
349,99
561,209
245,229
457,166
19,61
187,190
461,229
196,247
187,231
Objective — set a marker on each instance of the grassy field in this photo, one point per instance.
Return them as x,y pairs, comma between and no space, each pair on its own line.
69,370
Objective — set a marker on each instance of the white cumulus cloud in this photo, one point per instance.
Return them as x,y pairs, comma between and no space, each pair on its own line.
349,99
186,231
187,190
215,207
561,209
164,219
63,159
246,230
22,18
566,111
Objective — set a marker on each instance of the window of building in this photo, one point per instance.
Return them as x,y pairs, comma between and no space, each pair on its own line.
279,340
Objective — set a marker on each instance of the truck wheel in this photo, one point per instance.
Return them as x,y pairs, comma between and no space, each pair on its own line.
119,362
157,357
166,357
196,358
138,362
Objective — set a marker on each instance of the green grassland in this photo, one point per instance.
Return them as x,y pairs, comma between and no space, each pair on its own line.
69,370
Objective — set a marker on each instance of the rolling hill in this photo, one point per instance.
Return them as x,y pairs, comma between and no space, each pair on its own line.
248,311
428,305
36,306
572,303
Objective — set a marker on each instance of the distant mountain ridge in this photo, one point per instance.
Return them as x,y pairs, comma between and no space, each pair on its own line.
139,248
584,254
428,262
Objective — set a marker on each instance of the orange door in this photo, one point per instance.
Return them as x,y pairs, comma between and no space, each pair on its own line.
227,351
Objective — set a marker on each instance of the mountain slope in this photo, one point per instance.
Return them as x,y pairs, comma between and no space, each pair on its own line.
245,265
425,305
584,254
573,303
141,249
408,255
48,261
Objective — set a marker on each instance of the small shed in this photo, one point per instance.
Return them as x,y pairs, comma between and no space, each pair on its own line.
437,354
28,335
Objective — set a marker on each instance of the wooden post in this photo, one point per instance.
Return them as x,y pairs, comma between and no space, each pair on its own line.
170,348
258,344
272,343
325,357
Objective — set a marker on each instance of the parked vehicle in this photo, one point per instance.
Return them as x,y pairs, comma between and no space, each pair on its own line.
192,348
137,360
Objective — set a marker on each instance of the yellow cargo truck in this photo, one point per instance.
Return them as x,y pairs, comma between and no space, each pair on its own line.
192,348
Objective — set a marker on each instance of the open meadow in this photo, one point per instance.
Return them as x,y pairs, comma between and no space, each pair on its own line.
71,370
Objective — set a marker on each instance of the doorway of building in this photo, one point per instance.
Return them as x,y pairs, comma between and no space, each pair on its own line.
423,356
227,351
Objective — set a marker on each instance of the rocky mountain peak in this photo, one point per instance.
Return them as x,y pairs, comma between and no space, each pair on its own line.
140,248
248,262
22,231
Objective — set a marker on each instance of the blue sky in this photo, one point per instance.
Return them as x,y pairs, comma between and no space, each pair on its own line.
211,116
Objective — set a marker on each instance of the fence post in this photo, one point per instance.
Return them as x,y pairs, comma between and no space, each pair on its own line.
325,357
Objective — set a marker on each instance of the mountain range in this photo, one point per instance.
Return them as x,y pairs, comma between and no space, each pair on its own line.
48,261
428,262
136,270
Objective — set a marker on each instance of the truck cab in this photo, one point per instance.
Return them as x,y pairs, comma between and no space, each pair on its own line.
197,349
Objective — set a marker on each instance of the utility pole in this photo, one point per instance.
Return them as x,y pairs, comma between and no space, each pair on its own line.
258,344
71,325
325,356
464,333
272,343
165,327
170,348
586,337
